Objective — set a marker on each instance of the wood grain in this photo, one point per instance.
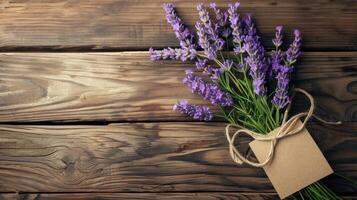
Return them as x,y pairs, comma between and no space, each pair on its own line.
129,87
139,24
146,157
142,196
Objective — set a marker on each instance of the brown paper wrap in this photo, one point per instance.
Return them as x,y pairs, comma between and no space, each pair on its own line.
289,155
297,163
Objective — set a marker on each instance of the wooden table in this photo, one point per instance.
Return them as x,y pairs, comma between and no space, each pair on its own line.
86,115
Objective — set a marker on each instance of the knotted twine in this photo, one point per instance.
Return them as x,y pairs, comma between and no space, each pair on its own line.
287,128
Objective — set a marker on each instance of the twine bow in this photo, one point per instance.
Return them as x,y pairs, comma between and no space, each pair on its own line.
286,129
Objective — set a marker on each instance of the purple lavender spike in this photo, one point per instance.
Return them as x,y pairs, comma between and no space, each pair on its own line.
208,33
183,34
236,27
277,55
294,50
202,113
209,91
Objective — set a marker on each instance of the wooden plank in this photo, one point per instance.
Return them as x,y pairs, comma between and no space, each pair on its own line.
139,24
142,196
146,157
129,87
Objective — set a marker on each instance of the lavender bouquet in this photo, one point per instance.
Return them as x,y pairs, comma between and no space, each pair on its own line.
250,86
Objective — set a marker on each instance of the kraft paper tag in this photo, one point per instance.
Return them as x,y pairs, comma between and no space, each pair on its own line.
297,162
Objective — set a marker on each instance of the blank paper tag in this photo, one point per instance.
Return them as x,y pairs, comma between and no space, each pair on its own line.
297,162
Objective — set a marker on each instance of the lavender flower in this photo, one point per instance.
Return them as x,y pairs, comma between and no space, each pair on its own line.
256,58
239,66
170,53
183,34
201,64
210,28
247,45
221,20
276,56
209,91
227,64
236,27
278,40
208,33
294,50
214,73
196,112
204,42
281,97
155,54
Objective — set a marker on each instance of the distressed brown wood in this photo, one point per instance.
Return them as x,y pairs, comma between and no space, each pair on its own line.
141,196
146,157
167,157
139,24
129,87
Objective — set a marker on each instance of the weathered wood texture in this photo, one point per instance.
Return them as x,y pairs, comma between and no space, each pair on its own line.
141,196
146,157
152,196
139,24
129,87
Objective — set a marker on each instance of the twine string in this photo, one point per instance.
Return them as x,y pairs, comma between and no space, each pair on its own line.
287,128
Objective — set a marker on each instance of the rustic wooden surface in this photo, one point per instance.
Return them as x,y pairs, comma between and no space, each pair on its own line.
141,196
99,125
139,24
145,157
128,86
